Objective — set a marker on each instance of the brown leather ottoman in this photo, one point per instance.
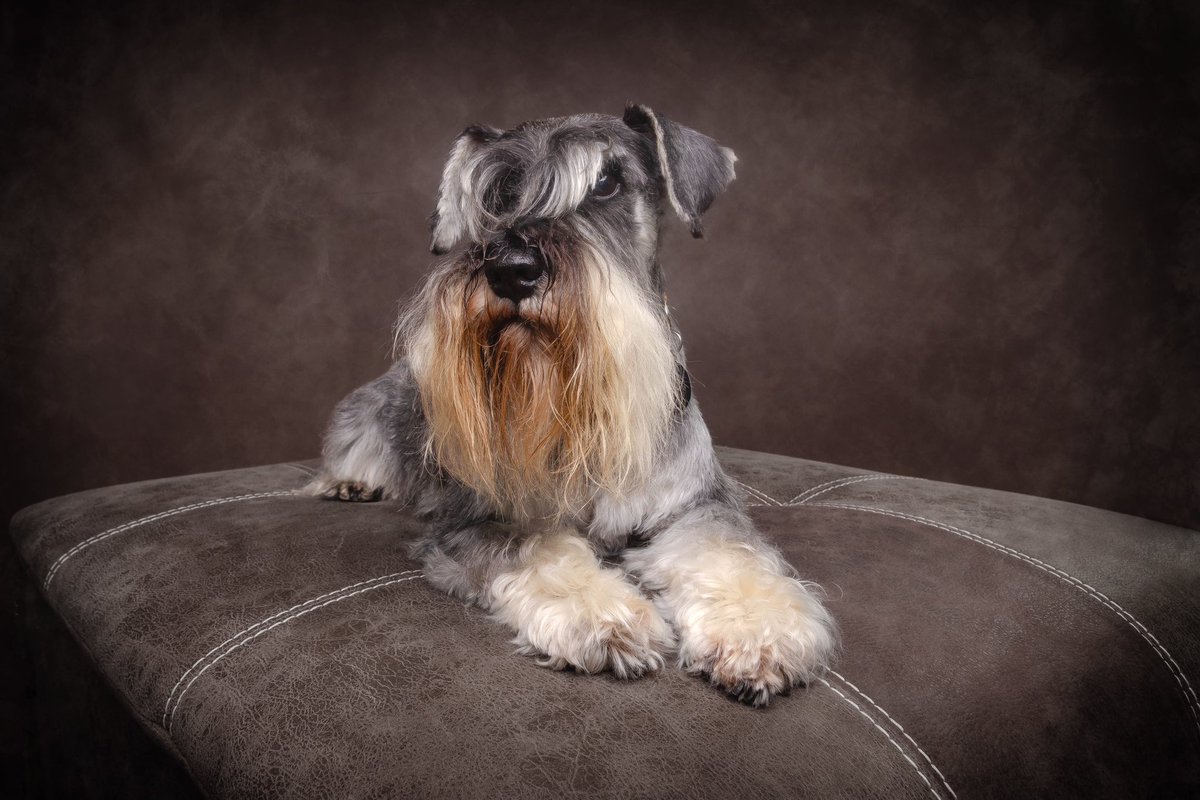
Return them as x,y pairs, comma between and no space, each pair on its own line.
995,645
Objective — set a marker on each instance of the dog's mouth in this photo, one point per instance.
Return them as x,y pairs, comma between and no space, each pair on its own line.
516,329
501,314
499,327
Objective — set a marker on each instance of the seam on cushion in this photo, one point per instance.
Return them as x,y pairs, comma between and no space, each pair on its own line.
759,493
850,482
57,565
898,727
883,730
259,624
819,489
306,470
170,718
1185,686
833,484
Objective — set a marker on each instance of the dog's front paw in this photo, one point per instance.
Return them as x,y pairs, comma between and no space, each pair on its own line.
626,636
756,637
572,613
355,492
350,491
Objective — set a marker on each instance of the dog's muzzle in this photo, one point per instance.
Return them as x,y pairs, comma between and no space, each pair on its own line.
514,270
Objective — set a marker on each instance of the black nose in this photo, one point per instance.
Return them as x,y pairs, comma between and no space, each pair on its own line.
514,272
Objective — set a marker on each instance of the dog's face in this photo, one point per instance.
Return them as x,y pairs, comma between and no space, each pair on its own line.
541,342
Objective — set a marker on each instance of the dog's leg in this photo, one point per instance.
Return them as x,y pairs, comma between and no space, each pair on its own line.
742,618
565,606
372,447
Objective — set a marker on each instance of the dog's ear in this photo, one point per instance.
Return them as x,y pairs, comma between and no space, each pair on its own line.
694,168
449,220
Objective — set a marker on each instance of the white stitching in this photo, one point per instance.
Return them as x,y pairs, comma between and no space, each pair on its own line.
260,623
900,728
759,493
170,724
833,484
1189,695
851,482
796,499
880,728
54,568
812,492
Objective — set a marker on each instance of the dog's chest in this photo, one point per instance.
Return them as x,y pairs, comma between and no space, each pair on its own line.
616,523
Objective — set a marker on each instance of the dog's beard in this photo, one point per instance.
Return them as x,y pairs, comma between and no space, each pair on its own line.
537,410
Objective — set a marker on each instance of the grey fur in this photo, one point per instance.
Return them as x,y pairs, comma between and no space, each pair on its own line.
497,183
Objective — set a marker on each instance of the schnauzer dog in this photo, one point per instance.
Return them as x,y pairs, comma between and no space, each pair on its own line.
541,420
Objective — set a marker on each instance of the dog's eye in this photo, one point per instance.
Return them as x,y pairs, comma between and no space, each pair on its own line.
607,186
502,194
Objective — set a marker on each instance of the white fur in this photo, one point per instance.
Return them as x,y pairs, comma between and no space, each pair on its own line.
573,612
741,618
638,341
558,186
454,199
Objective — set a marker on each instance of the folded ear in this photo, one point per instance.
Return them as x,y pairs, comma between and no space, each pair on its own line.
449,220
694,168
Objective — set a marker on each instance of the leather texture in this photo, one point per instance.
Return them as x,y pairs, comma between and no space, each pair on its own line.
995,645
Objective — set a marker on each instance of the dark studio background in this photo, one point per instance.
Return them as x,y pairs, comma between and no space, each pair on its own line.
963,243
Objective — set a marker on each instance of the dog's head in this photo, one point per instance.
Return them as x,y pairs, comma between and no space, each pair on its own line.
541,342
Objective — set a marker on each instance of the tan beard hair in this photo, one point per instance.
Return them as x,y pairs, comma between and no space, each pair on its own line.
540,411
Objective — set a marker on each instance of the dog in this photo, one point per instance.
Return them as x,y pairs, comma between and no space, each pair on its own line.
541,422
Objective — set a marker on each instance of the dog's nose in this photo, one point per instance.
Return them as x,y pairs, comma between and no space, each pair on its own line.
514,273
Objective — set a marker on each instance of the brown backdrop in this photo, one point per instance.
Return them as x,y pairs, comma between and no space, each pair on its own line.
962,243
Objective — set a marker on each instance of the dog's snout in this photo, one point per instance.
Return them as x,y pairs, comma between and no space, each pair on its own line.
514,272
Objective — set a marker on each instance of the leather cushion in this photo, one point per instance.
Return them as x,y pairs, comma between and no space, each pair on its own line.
994,645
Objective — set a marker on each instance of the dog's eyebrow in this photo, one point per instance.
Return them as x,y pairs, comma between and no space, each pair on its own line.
559,182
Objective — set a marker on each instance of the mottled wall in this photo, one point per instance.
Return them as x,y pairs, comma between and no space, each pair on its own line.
963,243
